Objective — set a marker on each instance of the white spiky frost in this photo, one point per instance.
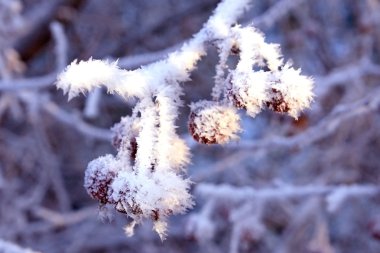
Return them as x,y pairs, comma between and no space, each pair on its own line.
254,50
143,194
211,122
226,15
98,176
148,183
253,90
250,90
296,89
280,87
84,76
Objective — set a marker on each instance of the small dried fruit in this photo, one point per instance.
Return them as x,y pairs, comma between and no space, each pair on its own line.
235,50
277,102
212,123
247,91
236,99
98,178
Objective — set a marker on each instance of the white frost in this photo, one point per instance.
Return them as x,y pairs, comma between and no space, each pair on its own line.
146,178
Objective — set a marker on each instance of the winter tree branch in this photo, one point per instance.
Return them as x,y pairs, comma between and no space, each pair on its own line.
146,178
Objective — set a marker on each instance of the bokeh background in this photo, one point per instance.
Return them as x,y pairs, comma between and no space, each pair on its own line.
310,185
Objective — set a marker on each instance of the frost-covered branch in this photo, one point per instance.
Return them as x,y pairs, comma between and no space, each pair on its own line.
135,61
335,194
245,206
79,76
146,178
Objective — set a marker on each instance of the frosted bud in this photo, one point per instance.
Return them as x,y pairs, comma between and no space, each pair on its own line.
248,90
235,50
289,91
98,178
213,123
277,102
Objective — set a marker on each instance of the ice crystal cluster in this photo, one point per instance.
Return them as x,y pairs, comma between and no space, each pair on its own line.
211,123
147,177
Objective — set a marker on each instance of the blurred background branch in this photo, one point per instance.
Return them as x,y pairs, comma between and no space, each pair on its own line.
329,154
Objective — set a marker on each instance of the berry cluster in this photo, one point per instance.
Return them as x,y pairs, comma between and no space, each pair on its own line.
274,85
144,179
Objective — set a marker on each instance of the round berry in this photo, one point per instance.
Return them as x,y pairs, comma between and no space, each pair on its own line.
98,178
277,102
212,123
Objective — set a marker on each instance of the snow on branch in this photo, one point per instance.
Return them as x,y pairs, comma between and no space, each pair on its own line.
245,205
336,194
8,247
146,179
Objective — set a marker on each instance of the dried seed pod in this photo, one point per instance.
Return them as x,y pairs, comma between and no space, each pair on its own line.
289,91
236,99
277,102
283,91
212,123
155,215
247,91
232,95
235,50
134,208
98,178
120,208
